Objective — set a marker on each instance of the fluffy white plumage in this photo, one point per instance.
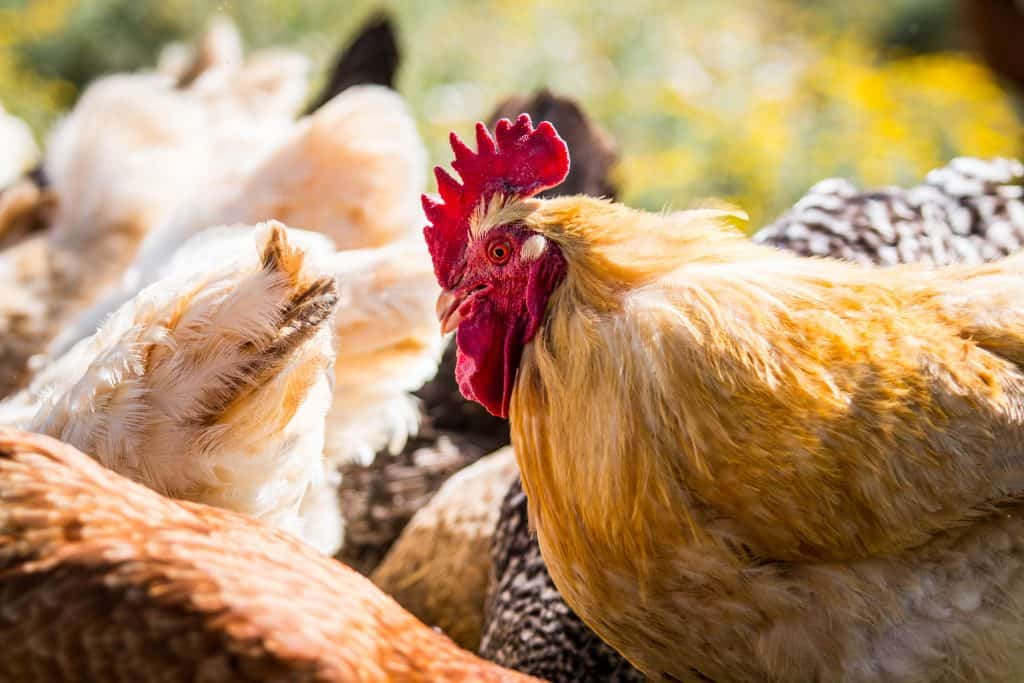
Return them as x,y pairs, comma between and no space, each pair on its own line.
106,396
352,171
388,345
211,140
210,385
137,156
173,149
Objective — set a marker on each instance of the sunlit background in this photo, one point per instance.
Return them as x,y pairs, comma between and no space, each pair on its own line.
751,101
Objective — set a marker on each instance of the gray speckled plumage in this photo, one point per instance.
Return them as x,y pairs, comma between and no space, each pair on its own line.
527,624
968,211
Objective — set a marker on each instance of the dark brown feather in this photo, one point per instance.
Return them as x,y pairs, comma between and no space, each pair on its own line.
996,27
370,59
593,151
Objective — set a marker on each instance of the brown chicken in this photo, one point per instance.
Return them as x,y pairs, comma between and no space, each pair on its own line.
742,464
102,579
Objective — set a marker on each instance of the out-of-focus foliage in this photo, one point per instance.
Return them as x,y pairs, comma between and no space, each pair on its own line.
24,91
751,101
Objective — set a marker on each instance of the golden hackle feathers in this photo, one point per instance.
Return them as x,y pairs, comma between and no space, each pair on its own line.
103,579
736,406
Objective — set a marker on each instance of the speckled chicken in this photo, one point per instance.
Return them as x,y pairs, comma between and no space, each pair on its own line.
968,212
527,625
104,580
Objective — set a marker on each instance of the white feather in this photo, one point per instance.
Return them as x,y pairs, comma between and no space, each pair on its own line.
144,394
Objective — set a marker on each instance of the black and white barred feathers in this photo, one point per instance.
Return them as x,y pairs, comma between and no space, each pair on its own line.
969,211
527,624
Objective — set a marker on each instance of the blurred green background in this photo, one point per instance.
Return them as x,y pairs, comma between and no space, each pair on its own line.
751,101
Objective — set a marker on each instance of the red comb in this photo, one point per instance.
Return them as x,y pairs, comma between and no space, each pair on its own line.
518,161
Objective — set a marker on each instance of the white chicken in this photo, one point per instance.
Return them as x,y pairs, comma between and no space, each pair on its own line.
136,154
211,385
186,388
351,171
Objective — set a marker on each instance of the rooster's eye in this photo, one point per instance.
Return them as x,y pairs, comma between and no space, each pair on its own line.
499,251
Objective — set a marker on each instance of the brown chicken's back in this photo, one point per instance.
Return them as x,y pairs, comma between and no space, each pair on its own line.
102,579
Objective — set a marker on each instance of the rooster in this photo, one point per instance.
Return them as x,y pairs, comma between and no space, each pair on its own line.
968,211
101,579
381,498
742,464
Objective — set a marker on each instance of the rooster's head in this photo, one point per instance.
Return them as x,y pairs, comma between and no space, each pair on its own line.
496,272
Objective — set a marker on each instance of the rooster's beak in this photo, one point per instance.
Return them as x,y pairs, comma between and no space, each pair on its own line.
448,305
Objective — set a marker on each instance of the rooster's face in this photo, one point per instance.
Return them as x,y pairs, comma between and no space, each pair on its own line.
497,274
497,305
